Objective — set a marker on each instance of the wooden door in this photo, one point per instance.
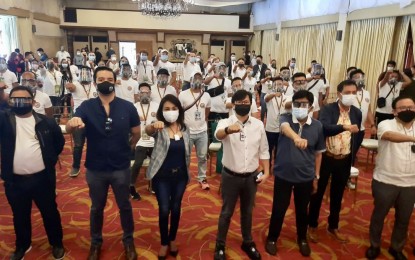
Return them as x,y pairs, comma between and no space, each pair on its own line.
145,45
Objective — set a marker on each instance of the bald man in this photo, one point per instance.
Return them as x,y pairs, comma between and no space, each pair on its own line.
42,103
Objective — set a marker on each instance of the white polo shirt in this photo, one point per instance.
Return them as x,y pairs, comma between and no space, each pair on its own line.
145,71
362,102
8,78
266,87
316,90
42,101
219,102
50,82
189,69
242,151
127,89
249,84
254,107
395,162
158,93
383,92
62,55
148,115
194,117
170,67
275,107
239,72
82,93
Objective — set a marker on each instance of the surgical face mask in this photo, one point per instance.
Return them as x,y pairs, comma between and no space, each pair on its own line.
390,68
197,59
300,112
143,57
105,87
192,59
233,58
406,116
35,66
145,98
64,65
348,99
292,65
113,58
3,66
164,57
21,105
78,53
171,116
91,57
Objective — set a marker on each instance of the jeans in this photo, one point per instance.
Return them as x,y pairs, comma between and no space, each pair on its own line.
20,193
98,183
263,106
234,187
141,154
339,170
79,141
169,192
280,203
272,145
385,197
200,141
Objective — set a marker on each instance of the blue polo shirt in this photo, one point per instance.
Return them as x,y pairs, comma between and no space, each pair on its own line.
293,164
108,143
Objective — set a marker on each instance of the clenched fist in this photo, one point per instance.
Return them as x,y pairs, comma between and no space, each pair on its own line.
235,128
158,126
76,122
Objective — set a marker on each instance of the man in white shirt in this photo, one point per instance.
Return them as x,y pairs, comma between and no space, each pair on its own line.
190,66
62,54
127,88
34,67
244,146
393,183
42,103
145,69
162,87
266,85
196,104
162,62
113,64
8,79
52,82
147,110
81,91
239,70
74,69
314,86
249,82
237,85
231,64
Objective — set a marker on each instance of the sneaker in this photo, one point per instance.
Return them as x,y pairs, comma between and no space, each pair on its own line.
397,255
20,253
312,234
372,252
204,184
351,185
251,251
75,172
219,252
58,252
134,194
151,190
271,247
334,233
304,247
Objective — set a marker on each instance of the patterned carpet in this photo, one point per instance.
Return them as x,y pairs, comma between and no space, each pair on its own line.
197,232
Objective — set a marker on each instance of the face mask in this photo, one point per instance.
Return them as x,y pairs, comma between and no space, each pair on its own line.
233,58
286,77
360,83
251,73
78,53
242,110
273,66
3,66
390,68
91,58
348,100
197,84
292,64
126,74
113,58
171,116
258,61
241,65
144,57
162,83
192,59
64,65
392,81
221,73
300,112
123,62
197,59
164,57
20,106
406,116
267,74
105,88
50,66
35,66
145,98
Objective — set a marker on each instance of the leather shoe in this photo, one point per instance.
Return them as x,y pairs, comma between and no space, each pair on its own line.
304,247
271,247
219,252
372,252
397,255
312,234
58,252
130,253
334,233
251,251
94,252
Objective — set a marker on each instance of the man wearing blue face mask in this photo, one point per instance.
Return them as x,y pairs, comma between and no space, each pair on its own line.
189,67
30,146
297,169
108,121
162,62
341,123
145,69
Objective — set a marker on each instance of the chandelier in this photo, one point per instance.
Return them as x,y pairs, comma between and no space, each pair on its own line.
163,8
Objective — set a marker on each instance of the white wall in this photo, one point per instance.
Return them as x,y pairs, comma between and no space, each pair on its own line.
47,29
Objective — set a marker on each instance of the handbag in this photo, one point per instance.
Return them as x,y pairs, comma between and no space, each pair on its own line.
381,102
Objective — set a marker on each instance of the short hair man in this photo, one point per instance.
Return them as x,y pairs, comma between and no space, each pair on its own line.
42,103
108,122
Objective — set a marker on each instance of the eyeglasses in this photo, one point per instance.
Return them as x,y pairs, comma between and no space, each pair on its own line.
242,103
301,104
108,125
300,82
405,108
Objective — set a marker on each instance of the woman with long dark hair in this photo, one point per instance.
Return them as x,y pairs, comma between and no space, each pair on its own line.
169,168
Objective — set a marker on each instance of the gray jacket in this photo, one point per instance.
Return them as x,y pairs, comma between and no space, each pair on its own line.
161,146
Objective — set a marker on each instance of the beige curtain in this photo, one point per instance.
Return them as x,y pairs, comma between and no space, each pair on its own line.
412,17
269,45
307,43
370,43
255,43
399,41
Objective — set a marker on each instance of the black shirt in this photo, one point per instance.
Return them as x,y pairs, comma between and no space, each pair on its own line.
108,137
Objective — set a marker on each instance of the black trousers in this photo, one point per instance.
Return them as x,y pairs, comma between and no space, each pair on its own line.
339,170
356,146
281,201
20,193
379,117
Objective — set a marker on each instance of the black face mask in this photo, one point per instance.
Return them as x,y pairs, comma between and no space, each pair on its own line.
20,111
20,106
406,116
242,110
105,88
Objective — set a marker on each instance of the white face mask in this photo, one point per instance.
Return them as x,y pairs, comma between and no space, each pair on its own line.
171,116
348,100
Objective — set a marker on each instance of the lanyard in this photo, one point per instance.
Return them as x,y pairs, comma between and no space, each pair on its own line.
158,89
145,114
198,101
278,105
145,67
360,101
87,92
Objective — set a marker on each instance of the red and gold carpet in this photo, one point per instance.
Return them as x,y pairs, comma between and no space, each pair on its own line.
197,232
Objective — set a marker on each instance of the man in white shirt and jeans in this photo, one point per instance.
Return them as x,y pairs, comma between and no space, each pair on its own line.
393,183
244,146
190,66
197,107
127,88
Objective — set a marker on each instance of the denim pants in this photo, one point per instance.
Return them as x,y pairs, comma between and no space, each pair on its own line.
169,192
200,141
263,106
99,183
79,141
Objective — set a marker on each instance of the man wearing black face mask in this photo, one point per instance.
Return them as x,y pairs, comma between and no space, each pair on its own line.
244,146
30,146
108,122
259,68
393,183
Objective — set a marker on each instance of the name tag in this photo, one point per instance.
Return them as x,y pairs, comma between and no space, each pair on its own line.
144,135
145,78
57,88
198,116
